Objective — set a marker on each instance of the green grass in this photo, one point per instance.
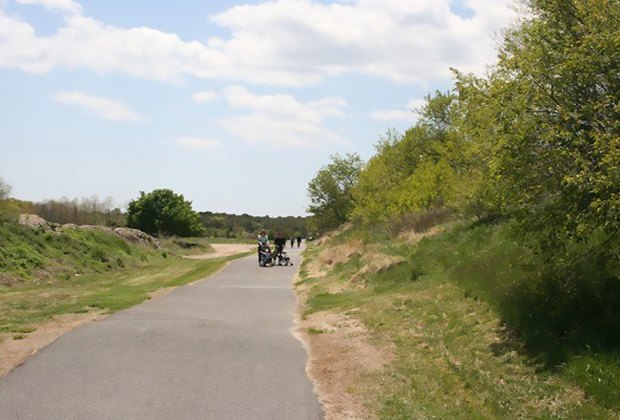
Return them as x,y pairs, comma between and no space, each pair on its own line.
46,273
443,314
28,254
23,307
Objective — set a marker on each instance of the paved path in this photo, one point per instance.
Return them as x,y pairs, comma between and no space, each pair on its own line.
219,349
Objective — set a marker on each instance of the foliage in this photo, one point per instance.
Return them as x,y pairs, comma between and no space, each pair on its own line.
330,191
552,105
244,226
162,212
427,167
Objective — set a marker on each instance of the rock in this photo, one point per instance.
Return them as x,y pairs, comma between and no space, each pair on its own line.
127,234
135,235
34,221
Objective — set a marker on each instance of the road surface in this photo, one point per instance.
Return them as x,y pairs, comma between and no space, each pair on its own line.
221,349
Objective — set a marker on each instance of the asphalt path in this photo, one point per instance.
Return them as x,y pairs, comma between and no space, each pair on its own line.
222,348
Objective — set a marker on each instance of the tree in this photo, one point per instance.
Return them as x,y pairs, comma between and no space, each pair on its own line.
162,212
5,190
330,191
552,102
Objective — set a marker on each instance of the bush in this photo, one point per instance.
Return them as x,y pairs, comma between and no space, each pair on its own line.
162,212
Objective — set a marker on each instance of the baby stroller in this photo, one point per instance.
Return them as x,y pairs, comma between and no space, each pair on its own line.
266,259
282,257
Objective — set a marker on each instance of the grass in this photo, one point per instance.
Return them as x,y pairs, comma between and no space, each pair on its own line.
47,273
23,307
443,312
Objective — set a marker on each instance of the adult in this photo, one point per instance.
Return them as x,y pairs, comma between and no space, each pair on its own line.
298,241
292,242
263,240
279,242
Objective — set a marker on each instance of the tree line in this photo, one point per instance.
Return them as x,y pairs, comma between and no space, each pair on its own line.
159,212
537,140
534,143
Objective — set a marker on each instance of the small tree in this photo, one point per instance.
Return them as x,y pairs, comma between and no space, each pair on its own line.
5,190
162,212
330,191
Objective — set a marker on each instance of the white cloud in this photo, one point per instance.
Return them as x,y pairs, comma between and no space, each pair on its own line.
280,42
205,96
195,143
104,107
407,113
64,5
281,120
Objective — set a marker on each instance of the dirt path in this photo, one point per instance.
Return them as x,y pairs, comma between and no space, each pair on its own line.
223,250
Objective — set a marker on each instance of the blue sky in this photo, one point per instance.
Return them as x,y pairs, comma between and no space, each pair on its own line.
234,104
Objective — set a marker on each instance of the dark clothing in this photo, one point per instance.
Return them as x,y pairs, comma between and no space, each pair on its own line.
279,242
298,241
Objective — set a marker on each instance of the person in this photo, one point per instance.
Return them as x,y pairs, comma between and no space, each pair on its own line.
292,242
263,240
279,242
298,241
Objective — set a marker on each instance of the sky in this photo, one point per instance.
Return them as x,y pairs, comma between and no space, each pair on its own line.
234,104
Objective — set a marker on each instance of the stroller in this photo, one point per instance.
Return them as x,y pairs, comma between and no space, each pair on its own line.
266,258
282,257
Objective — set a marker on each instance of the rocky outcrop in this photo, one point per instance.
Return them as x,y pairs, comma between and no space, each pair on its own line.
128,234
34,221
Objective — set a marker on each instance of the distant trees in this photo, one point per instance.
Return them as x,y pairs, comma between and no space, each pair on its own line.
85,211
330,191
162,212
244,226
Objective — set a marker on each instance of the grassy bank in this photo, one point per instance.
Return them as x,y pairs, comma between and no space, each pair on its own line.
48,273
445,307
23,307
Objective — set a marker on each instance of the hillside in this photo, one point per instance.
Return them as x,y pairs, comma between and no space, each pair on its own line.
431,324
34,250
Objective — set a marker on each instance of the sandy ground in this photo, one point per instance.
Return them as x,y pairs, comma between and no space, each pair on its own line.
14,352
223,250
340,352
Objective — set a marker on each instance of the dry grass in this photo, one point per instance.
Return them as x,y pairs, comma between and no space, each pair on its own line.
403,349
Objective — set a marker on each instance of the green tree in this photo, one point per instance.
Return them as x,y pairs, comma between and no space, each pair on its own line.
427,167
162,212
553,105
330,191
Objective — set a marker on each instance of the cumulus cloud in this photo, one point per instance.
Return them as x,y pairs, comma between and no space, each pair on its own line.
281,120
205,96
281,42
104,107
407,113
195,143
